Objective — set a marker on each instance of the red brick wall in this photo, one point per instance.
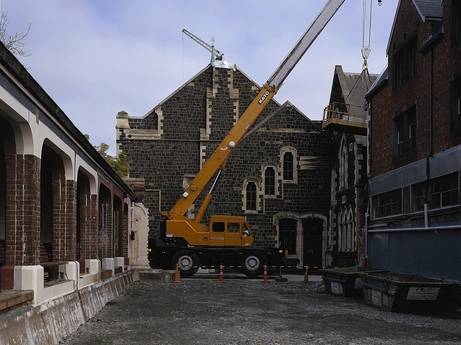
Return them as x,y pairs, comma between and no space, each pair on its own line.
446,61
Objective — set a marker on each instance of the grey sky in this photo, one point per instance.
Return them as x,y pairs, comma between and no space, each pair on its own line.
97,57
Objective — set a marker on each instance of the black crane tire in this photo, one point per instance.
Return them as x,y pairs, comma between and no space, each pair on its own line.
187,261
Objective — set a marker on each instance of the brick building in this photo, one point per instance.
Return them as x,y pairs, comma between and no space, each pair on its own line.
60,201
345,120
415,144
278,177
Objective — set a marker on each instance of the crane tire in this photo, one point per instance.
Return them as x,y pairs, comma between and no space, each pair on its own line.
187,262
253,263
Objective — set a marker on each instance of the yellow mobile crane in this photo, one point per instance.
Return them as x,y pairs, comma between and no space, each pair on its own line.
226,240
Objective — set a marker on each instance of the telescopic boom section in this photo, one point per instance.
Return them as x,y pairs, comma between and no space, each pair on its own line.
219,158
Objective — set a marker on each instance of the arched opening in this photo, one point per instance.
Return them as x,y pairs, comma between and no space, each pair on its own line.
287,234
83,217
105,235
52,180
312,240
118,227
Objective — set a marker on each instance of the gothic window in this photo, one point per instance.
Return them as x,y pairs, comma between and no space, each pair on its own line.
343,157
251,196
269,181
288,166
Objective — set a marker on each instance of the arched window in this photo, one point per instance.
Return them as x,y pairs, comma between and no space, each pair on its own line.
343,164
251,196
269,181
288,166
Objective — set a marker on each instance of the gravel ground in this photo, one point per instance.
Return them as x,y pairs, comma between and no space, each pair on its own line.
240,311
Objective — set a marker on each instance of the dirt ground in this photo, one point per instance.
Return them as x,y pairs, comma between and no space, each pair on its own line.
204,310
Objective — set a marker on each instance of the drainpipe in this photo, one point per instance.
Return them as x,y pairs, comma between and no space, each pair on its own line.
431,103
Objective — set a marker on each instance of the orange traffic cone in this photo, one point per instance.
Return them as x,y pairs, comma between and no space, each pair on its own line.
265,274
176,275
221,274
306,275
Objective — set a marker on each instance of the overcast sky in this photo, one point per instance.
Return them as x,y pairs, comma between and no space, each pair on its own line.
95,58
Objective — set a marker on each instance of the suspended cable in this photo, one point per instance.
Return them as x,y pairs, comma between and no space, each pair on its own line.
366,36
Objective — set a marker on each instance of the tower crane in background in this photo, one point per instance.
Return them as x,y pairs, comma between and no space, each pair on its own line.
215,53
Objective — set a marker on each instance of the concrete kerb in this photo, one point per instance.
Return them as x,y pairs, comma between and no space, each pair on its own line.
57,318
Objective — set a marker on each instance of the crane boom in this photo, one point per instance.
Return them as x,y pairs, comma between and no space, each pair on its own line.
218,159
218,54
304,43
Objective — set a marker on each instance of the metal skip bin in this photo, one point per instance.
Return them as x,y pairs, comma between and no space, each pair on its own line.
403,292
345,281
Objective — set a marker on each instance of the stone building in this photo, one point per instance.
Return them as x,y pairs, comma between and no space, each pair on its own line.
345,120
278,177
415,144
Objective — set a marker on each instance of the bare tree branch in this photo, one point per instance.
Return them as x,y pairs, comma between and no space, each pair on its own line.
14,42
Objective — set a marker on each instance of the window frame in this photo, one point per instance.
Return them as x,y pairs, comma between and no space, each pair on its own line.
405,131
251,197
269,181
288,169
387,204
405,63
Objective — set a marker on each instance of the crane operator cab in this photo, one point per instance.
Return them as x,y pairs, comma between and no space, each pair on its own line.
222,231
230,231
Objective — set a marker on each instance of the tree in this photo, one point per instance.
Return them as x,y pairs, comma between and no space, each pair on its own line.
119,164
13,42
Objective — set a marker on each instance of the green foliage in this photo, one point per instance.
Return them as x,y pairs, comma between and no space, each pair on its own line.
119,164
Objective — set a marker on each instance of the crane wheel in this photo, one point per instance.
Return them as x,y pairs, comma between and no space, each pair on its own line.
253,263
187,261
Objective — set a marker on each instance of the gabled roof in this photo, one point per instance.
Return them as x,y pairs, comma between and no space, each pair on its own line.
427,9
210,65
354,87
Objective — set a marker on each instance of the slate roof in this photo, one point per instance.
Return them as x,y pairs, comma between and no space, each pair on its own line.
354,87
427,9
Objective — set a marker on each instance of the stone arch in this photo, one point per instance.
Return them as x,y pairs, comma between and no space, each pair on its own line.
314,229
307,228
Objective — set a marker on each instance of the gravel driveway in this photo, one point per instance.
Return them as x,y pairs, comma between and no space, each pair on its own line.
241,311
